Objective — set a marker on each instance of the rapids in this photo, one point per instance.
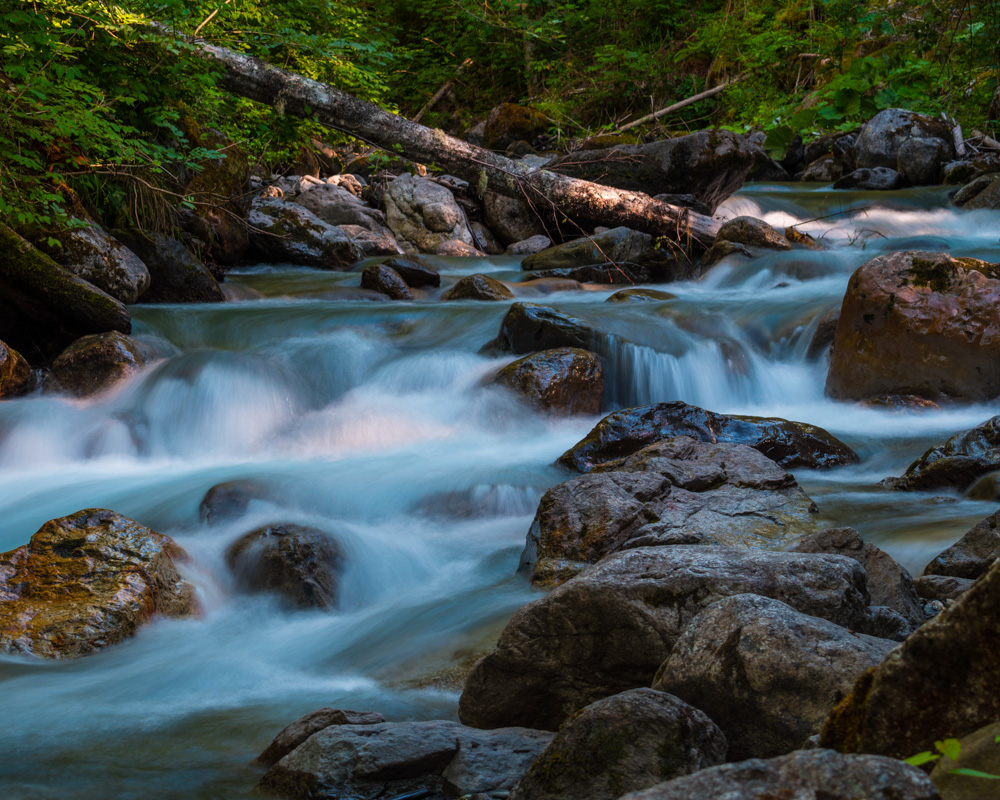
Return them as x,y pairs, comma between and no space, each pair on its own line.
372,421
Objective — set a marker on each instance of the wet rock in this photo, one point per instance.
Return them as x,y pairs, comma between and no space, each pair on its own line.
728,493
640,295
85,582
978,751
484,239
617,246
752,232
889,584
176,275
424,215
881,138
566,380
722,249
802,775
394,759
509,123
765,673
790,444
415,273
15,372
336,205
295,734
957,463
370,245
919,323
383,278
97,362
511,219
826,332
919,160
870,179
972,555
961,172
985,488
288,233
942,587
623,743
456,247
527,328
301,564
983,192
684,201
824,169
710,165
609,629
478,287
231,500
528,247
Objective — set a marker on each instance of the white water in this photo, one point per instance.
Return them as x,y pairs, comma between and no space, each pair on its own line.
371,420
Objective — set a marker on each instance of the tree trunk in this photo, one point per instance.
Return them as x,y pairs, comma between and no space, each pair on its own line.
486,171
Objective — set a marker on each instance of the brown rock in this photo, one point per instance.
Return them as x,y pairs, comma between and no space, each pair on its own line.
972,555
640,295
383,278
566,380
941,587
752,232
96,362
957,463
509,123
15,372
295,734
478,287
415,273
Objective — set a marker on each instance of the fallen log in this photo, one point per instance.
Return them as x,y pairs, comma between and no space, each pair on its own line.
558,195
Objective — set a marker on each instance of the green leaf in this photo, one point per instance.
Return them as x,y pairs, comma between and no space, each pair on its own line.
921,758
778,140
974,773
951,748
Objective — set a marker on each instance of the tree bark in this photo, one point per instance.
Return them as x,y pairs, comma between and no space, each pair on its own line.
486,171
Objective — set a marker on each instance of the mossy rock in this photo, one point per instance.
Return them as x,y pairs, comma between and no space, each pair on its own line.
509,123
15,372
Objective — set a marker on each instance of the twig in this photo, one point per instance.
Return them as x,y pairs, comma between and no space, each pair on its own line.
679,105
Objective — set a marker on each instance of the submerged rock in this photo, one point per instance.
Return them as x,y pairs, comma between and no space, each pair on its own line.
297,732
230,500
88,581
95,363
478,287
752,232
566,380
957,463
415,273
640,295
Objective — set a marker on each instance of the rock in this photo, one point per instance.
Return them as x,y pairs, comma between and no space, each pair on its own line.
383,278
790,444
826,332
511,219
983,192
722,249
97,362
353,183
395,759
985,488
337,205
919,161
622,743
957,463
230,500
415,273
424,215
802,775
607,274
295,734
728,493
85,582
484,239
566,380
824,169
175,274
880,139
940,682
617,246
710,165
457,248
978,751
941,587
962,172
288,233
765,673
972,555
528,247
608,629
508,124
528,328
475,134
752,232
300,564
478,287
889,584
91,253
918,323
845,150
15,372
870,179
684,201
640,295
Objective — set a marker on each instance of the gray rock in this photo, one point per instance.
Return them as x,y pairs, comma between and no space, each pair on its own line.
415,273
919,160
176,274
982,192
972,555
765,673
336,205
371,245
609,629
512,220
942,587
955,464
530,246
753,232
423,215
95,363
383,278
623,743
485,239
824,169
871,179
880,139
295,734
287,232
478,287
961,172
527,328
803,775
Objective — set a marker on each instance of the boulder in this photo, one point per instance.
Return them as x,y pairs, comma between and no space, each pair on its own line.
404,759
790,444
456,248
721,250
962,172
300,564
940,682
985,488
640,295
295,734
383,278
286,232
15,372
415,273
175,274
710,165
826,332
623,743
424,214
765,673
972,555
802,775
889,584
478,287
957,463
566,380
982,192
85,582
484,239
941,587
528,328
227,501
528,247
752,232
919,161
870,179
919,323
509,123
97,362
337,205
371,245
824,169
978,751
511,219
880,139
608,629
727,493
618,246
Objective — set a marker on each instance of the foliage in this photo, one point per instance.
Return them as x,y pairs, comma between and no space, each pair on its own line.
952,750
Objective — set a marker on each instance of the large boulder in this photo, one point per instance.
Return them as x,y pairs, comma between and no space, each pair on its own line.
15,372
609,629
622,743
87,581
767,674
336,205
288,233
882,137
940,682
802,775
424,215
725,493
511,219
566,380
710,165
957,463
752,232
790,444
176,275
404,759
973,554
923,324
479,287
97,362
528,328
296,733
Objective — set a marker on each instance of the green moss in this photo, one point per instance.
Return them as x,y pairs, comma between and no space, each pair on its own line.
843,729
939,274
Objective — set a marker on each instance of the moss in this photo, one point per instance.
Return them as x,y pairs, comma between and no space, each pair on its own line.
938,274
843,729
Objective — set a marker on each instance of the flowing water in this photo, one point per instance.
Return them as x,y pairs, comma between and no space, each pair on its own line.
374,422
